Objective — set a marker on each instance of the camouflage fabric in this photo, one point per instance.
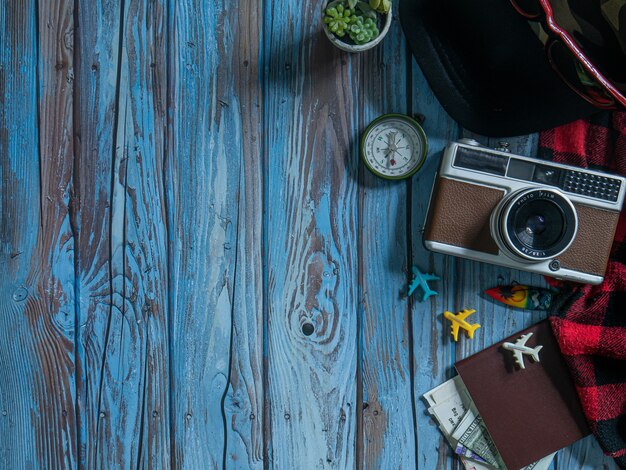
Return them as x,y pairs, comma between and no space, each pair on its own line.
598,27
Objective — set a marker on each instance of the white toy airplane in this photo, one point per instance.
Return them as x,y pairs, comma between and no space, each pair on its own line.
458,321
421,280
520,349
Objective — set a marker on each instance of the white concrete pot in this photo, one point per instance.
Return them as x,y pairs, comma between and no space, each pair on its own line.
344,46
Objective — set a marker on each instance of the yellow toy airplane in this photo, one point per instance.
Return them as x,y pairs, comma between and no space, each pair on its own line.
458,321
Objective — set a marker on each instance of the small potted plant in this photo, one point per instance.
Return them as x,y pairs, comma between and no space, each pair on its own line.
354,25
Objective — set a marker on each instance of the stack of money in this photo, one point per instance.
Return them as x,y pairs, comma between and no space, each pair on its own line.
452,408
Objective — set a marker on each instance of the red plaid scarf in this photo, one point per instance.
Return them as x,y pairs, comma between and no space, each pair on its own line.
590,321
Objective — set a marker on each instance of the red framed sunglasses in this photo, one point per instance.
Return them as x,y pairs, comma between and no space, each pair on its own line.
585,45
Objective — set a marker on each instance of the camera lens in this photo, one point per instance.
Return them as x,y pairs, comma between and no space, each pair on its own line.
535,224
538,224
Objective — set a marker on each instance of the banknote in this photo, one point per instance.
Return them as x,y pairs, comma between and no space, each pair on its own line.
447,424
472,434
465,452
450,402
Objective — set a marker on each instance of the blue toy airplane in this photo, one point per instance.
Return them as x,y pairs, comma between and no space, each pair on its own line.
421,280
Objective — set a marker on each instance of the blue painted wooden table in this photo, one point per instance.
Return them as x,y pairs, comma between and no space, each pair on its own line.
181,203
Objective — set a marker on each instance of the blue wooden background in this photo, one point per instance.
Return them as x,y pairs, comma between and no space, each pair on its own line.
180,194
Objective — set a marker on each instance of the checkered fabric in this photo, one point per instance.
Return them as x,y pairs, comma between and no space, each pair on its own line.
589,322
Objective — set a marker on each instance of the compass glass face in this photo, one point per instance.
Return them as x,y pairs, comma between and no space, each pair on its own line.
393,147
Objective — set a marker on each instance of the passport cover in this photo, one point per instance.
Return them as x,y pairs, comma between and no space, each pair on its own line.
529,412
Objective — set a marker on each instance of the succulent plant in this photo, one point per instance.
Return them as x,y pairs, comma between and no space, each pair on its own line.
338,18
362,30
355,18
381,6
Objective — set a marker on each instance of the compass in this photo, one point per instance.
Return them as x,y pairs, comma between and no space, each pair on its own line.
393,146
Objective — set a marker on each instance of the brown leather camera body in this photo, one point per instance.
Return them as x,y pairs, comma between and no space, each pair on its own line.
459,215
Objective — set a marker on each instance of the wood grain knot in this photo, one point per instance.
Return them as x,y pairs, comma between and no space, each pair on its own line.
308,329
20,294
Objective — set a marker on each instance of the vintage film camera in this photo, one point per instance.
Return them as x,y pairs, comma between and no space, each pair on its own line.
539,216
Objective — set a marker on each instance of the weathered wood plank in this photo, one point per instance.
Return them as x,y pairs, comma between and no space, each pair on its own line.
243,407
388,434
56,240
37,391
97,58
122,267
214,214
311,226
140,163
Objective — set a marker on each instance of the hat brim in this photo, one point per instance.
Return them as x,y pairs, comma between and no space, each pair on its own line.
487,67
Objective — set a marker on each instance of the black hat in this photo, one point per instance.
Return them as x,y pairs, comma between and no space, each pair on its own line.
487,67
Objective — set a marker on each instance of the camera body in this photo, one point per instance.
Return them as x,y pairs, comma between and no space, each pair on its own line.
534,215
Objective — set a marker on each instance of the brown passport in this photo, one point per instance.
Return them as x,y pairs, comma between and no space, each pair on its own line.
531,412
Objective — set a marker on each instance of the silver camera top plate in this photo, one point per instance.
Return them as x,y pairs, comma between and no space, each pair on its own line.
493,168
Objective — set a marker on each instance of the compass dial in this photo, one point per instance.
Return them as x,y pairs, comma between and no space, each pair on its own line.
393,146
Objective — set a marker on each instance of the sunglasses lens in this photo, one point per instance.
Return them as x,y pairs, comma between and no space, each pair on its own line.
574,74
528,8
